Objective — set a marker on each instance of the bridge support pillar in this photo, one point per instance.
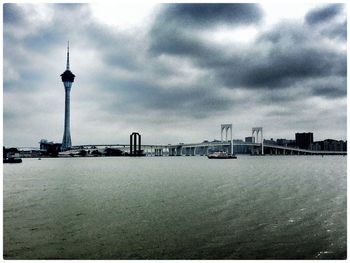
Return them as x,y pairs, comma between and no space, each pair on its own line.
227,127
135,138
255,137
179,151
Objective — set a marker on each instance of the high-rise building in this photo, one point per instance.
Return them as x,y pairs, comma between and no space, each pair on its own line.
304,140
67,79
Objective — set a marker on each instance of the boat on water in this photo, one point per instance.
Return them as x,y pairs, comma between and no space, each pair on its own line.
221,155
12,160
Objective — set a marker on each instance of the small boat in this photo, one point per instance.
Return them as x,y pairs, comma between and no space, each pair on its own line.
12,160
221,155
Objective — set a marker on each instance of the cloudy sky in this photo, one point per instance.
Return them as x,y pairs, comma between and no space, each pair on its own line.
174,72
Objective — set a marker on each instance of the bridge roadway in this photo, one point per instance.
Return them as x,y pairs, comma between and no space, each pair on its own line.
191,149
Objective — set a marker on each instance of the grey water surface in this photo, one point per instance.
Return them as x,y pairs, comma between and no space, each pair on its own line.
262,207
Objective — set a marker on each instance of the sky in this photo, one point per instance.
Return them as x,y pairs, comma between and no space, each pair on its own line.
174,72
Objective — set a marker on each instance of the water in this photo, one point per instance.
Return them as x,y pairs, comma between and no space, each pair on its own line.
271,207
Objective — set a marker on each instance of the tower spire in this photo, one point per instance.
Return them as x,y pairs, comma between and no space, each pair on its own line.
68,56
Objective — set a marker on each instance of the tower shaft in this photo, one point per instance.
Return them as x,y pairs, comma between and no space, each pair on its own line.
67,142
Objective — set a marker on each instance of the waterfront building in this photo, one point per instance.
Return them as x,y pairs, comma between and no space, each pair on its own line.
329,145
67,79
249,139
270,142
285,142
45,144
50,148
304,140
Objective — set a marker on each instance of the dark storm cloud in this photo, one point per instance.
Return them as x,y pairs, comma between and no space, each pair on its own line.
287,54
12,14
204,15
324,14
290,55
330,21
283,68
175,28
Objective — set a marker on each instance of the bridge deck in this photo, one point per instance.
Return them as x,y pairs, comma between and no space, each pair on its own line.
211,144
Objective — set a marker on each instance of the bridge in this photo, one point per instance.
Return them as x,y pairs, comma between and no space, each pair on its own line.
256,147
204,148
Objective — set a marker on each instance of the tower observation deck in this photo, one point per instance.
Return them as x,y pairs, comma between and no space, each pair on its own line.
67,79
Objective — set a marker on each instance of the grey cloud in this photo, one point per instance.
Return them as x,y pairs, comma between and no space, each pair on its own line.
117,49
330,21
283,67
334,87
285,33
177,25
284,55
280,57
175,41
13,14
190,100
128,83
336,31
323,14
204,15
68,7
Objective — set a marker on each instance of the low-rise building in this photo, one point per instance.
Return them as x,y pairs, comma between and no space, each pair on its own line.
329,145
50,148
248,139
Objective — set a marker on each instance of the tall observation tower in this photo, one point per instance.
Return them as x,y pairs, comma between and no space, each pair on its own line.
67,79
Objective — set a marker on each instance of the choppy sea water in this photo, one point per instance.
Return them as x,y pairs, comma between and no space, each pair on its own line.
270,207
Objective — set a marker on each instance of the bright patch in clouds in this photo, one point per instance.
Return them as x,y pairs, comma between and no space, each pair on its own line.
228,35
276,12
124,15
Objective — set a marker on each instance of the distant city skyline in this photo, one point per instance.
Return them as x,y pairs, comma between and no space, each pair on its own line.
174,72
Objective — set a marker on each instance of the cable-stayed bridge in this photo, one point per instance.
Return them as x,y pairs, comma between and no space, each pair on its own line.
193,149
256,147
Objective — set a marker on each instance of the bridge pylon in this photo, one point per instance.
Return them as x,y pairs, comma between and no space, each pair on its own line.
255,137
226,127
133,144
